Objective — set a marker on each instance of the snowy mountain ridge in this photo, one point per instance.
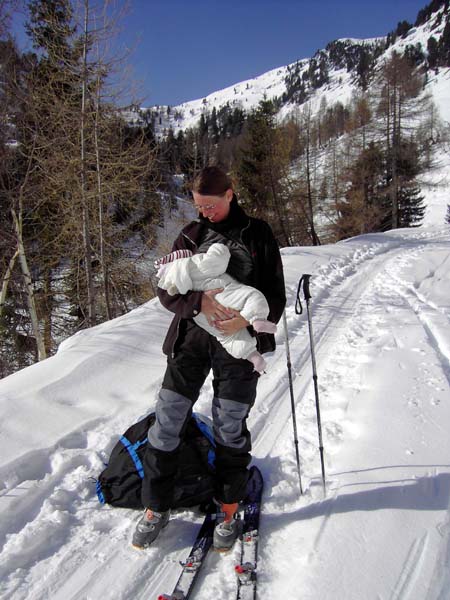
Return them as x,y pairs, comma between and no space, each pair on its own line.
272,85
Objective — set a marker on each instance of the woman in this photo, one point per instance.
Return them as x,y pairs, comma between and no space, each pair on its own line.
192,353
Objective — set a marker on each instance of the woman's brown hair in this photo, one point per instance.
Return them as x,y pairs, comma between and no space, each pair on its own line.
212,181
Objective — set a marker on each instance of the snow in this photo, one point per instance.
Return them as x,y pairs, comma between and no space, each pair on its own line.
439,85
381,321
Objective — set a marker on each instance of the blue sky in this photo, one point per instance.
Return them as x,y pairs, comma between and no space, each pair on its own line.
186,49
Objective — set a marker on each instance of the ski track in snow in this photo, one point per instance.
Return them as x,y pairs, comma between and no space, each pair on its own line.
57,542
359,324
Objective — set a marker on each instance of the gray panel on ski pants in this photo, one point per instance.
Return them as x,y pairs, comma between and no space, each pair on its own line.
228,420
172,412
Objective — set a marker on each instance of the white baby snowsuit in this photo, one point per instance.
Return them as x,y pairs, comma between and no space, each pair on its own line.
206,271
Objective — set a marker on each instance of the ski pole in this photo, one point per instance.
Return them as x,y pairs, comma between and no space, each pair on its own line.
299,309
291,389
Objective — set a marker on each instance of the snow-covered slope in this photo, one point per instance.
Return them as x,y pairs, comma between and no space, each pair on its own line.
340,87
381,321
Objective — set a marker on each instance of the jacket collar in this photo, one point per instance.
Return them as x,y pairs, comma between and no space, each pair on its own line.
236,219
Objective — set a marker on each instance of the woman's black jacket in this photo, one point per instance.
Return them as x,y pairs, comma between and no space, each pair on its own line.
255,260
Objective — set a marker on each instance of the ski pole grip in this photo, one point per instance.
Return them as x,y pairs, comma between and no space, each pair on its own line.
306,291
298,303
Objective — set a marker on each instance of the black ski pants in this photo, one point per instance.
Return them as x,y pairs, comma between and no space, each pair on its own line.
234,386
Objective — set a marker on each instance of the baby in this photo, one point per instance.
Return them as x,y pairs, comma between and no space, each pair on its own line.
180,271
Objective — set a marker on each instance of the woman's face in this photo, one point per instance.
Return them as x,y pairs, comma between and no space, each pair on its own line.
214,208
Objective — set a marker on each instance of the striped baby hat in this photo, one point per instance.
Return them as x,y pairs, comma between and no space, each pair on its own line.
168,258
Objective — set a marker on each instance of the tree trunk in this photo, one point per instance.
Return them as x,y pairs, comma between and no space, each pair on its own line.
395,147
6,280
28,286
314,236
101,233
48,302
87,245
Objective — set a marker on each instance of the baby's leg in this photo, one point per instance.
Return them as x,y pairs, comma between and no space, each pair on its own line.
258,361
263,325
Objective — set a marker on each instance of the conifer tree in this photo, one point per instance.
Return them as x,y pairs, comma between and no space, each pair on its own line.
214,127
364,208
433,52
411,205
261,170
365,69
444,45
400,85
51,29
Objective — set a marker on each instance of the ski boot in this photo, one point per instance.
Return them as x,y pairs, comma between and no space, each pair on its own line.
149,527
227,531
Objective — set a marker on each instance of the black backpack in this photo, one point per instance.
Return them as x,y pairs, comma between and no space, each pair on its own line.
121,481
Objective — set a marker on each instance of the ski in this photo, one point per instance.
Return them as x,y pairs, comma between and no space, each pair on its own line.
192,565
246,568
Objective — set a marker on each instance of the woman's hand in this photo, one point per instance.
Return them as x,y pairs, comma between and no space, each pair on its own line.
213,310
232,324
